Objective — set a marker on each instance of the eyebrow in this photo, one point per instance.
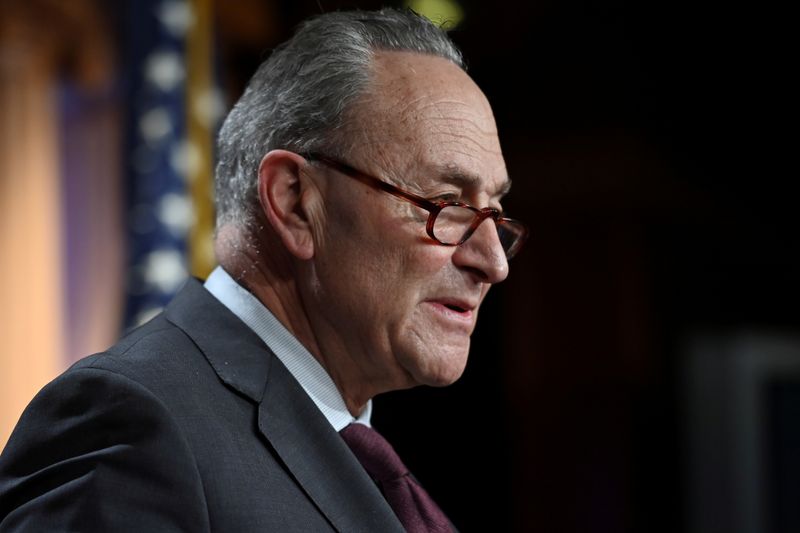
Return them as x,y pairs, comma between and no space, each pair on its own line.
459,178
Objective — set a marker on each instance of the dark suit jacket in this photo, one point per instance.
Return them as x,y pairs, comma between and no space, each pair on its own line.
190,423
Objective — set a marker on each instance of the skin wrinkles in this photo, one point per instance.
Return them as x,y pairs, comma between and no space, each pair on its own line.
366,290
464,180
459,140
375,271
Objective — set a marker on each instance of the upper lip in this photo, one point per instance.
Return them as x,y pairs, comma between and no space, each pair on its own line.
460,304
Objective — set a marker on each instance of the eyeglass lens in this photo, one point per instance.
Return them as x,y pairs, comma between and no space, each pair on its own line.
453,222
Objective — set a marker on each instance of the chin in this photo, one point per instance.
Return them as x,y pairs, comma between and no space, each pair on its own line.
445,380
441,370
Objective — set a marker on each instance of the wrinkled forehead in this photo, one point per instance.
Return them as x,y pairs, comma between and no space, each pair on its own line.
423,117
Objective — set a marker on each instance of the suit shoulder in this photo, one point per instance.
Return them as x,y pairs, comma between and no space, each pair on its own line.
85,435
156,349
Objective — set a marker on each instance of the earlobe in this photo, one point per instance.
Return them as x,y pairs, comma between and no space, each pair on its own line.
282,192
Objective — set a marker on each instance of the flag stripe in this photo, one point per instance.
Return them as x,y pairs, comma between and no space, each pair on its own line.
201,120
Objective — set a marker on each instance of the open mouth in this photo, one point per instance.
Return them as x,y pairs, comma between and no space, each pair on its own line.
454,308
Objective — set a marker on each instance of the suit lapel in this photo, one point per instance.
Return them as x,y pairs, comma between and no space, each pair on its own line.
312,451
234,351
319,459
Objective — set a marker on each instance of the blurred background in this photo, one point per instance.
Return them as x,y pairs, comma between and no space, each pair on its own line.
640,368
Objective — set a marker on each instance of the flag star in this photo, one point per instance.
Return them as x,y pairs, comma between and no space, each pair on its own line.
164,270
209,107
185,158
165,70
155,125
176,212
176,16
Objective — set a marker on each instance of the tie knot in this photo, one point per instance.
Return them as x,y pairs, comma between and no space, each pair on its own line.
374,453
413,506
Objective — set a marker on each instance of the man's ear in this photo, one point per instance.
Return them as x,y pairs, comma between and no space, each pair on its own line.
281,191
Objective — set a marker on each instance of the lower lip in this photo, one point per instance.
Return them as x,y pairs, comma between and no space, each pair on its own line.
459,317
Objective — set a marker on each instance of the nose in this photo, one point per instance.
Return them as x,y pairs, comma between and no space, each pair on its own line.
483,255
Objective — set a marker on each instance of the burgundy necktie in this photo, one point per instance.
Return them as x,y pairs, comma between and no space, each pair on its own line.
411,503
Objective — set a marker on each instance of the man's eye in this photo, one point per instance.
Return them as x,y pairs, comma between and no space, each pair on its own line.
447,197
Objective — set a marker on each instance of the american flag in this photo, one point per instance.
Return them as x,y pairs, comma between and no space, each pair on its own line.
168,148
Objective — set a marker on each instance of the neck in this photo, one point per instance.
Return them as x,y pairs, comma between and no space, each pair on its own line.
272,279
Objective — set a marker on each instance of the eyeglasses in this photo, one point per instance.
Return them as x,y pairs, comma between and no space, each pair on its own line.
449,223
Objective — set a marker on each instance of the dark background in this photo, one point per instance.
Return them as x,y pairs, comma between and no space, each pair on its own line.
646,143
652,149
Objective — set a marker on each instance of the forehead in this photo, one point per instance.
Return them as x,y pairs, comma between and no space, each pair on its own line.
423,119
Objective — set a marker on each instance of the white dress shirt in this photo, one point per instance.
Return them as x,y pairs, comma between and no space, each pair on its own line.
296,358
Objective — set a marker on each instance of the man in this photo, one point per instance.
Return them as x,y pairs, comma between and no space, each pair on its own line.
350,265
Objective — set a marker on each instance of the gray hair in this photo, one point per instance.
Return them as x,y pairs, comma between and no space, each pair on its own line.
299,97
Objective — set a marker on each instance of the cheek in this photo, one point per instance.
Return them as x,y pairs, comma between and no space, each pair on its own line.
374,269
432,352
432,356
395,278
357,270
381,255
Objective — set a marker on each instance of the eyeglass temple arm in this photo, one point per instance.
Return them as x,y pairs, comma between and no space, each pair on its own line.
375,182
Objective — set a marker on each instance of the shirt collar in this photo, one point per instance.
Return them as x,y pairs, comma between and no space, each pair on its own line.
305,368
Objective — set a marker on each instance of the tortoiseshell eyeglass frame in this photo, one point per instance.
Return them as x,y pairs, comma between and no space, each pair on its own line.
515,229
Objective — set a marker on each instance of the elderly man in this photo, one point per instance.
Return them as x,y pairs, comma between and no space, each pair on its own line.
359,229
